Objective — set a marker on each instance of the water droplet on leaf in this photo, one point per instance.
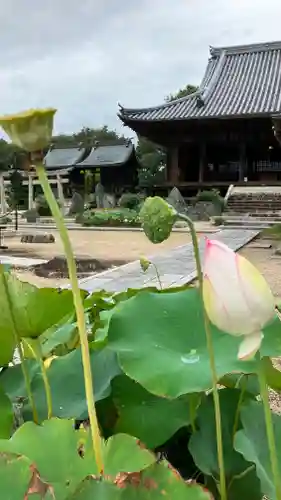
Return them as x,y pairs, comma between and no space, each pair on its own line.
190,358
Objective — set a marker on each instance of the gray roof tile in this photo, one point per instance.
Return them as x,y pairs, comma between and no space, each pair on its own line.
63,158
239,81
104,156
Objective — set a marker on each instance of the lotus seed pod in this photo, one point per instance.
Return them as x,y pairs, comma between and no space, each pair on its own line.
158,218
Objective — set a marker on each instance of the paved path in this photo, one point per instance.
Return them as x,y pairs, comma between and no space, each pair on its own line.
175,267
20,261
46,227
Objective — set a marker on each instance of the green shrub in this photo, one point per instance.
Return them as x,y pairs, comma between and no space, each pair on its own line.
114,218
273,232
42,206
212,196
96,219
217,220
131,201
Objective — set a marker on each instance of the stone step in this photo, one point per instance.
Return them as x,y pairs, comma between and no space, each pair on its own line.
245,227
248,223
260,215
260,197
250,218
254,207
253,204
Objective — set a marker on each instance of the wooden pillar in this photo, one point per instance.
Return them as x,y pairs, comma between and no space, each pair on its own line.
202,161
30,192
242,161
173,175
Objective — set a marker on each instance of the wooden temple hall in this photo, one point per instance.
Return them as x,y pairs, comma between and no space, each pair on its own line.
226,132
114,165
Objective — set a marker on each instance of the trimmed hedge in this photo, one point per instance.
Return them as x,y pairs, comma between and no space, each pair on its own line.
112,218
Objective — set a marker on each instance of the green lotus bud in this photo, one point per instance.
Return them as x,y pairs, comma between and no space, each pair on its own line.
30,130
158,218
144,263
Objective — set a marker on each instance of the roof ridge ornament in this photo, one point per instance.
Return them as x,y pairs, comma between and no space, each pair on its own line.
199,101
246,48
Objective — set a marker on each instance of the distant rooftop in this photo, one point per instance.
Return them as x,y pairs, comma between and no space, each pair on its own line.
240,81
109,155
63,157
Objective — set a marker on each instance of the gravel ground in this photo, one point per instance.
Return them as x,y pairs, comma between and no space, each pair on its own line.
122,246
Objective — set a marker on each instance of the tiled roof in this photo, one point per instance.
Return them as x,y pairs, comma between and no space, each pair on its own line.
105,156
63,158
239,81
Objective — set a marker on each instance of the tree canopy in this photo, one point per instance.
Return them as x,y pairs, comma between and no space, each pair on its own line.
187,90
152,160
89,137
11,156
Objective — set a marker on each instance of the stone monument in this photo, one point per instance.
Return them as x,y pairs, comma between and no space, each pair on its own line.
109,201
77,204
99,192
176,200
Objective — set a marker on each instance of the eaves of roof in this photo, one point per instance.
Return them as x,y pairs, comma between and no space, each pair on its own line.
63,158
108,156
240,81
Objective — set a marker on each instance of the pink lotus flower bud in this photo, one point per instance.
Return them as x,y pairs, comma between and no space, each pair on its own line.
237,298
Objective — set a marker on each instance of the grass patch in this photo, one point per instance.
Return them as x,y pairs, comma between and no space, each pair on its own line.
273,232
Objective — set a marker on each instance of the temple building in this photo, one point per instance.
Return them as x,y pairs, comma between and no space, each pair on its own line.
227,131
114,165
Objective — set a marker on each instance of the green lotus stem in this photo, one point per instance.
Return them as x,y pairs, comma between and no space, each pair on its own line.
20,349
157,275
27,382
223,491
47,388
269,427
237,413
192,415
36,351
80,314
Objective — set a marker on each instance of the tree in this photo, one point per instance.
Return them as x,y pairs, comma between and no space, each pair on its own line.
187,90
152,157
100,135
11,156
63,140
89,137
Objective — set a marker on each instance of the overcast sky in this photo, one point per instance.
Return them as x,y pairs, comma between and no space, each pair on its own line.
84,57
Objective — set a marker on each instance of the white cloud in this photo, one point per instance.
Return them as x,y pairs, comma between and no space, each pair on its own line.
85,57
